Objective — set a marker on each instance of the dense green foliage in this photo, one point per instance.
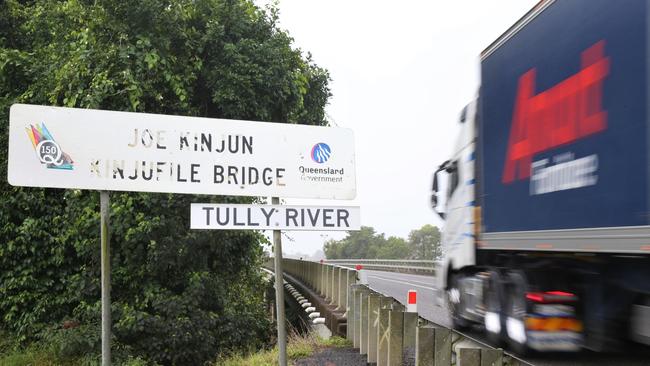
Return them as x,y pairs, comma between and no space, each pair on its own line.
179,296
423,243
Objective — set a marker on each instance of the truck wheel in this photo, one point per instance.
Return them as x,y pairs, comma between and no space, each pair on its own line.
494,320
456,303
516,312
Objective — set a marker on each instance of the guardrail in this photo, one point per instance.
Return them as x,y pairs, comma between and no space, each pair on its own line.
393,265
378,325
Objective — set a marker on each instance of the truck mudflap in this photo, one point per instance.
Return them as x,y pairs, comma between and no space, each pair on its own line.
551,324
558,341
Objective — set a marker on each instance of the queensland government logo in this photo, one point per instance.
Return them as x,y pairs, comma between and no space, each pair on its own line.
321,152
47,150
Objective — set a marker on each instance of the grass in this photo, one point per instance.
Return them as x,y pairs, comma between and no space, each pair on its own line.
298,347
45,354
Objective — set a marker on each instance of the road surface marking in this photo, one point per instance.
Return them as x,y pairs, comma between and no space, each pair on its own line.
402,282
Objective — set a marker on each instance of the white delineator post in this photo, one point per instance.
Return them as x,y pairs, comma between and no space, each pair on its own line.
412,302
363,277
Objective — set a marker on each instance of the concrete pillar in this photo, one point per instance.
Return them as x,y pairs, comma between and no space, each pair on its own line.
363,325
342,281
383,334
424,346
491,357
442,350
344,289
351,280
350,314
335,286
328,283
373,322
410,333
321,277
469,357
358,314
395,338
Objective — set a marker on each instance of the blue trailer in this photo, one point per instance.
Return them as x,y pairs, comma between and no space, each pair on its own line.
547,236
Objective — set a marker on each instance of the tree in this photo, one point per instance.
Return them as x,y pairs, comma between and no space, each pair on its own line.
394,248
425,243
179,296
364,243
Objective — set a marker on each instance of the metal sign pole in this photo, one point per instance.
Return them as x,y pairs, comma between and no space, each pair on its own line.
279,293
104,200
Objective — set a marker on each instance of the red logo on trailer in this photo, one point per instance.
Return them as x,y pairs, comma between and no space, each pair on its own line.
560,115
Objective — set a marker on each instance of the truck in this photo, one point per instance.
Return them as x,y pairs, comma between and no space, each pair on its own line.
546,196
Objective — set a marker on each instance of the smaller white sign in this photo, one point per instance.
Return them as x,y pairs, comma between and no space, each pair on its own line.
263,217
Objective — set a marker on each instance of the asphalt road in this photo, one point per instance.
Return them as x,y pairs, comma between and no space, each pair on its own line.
397,285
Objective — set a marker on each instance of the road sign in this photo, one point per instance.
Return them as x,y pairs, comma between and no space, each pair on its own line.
120,151
262,217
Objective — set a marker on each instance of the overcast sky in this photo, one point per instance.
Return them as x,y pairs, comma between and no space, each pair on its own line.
401,72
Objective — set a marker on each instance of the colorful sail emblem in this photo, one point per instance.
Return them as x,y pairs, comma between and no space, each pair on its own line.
47,150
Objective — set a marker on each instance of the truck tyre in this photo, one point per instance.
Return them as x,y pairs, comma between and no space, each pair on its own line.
456,303
494,320
515,313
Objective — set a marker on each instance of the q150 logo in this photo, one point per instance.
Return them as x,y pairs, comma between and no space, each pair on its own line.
47,150
565,113
321,152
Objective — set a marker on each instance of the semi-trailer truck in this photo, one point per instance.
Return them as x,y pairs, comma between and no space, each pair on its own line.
546,197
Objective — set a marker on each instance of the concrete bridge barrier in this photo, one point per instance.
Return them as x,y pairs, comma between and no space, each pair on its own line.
379,326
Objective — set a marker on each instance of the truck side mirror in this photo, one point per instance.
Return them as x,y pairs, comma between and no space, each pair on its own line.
434,189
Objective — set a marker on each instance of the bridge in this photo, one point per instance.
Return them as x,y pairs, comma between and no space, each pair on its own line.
366,300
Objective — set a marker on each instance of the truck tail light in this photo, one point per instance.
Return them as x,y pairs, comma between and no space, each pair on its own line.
550,297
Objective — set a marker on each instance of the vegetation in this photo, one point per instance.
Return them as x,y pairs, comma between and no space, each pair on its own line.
298,347
423,243
179,296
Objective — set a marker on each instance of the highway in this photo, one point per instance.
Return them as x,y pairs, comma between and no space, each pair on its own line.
397,285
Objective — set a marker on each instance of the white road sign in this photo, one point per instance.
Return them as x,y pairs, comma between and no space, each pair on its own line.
262,217
107,150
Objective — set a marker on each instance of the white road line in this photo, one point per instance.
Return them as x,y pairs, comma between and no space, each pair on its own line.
402,282
426,283
407,276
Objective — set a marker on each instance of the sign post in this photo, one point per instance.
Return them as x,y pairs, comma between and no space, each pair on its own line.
55,147
279,292
104,204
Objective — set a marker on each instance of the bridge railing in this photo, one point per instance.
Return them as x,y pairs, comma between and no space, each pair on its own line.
392,265
378,325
